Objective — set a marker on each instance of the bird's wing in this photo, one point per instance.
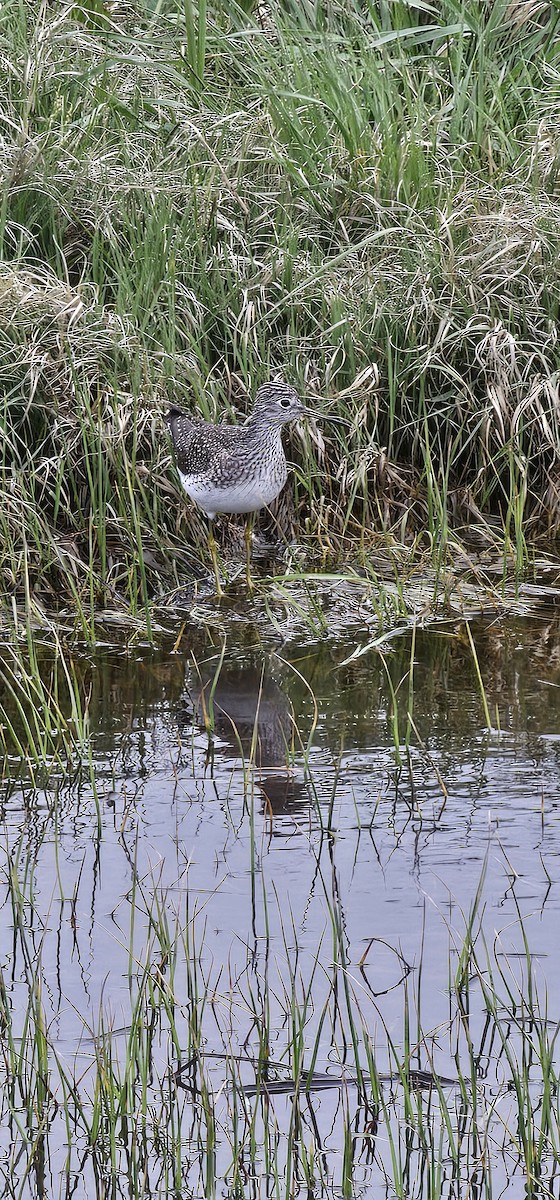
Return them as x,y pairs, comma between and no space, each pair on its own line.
198,444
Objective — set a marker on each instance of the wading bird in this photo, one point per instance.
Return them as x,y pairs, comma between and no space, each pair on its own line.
236,468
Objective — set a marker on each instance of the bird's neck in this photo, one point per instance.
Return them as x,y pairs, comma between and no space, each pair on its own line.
260,429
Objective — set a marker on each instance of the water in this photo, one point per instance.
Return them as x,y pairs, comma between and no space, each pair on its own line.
255,847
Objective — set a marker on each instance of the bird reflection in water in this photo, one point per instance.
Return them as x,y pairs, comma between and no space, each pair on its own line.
252,716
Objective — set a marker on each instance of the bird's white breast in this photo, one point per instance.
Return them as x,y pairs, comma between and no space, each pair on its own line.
248,495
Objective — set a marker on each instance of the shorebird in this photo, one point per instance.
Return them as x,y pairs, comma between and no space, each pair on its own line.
236,468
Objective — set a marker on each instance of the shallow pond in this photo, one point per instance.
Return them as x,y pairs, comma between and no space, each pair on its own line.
287,862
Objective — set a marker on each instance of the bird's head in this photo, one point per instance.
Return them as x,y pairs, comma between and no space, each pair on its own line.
278,403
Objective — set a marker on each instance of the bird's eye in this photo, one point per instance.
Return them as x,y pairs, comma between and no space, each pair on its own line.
285,402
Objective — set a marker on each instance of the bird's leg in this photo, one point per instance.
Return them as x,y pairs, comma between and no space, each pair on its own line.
248,544
214,553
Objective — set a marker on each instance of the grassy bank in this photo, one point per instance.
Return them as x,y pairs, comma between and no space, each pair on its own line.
362,196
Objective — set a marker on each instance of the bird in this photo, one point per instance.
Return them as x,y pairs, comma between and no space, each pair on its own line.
235,468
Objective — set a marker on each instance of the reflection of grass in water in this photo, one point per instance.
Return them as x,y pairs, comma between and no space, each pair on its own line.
128,1109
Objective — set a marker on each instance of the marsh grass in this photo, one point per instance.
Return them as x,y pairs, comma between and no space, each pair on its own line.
193,199
44,711
364,198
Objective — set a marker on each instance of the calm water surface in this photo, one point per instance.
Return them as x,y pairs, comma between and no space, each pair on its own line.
249,798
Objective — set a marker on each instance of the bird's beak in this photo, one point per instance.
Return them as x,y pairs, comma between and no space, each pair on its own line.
337,420
319,416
